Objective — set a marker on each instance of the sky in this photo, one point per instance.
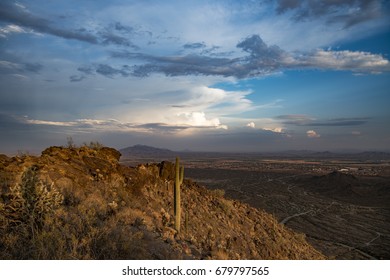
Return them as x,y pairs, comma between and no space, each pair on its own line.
222,75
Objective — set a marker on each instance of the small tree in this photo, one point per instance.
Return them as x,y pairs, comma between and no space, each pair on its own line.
70,142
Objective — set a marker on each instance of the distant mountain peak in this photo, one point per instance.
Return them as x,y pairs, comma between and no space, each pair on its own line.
143,150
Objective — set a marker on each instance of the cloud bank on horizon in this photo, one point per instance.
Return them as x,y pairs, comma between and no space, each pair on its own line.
203,75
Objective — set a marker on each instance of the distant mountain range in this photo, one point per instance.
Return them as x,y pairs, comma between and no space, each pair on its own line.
143,150
149,151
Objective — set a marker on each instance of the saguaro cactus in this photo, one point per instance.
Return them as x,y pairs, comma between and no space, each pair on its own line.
179,176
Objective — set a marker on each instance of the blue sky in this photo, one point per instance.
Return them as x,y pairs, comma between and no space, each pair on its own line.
200,75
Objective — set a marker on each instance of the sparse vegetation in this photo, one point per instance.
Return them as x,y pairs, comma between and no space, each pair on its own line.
70,142
58,210
218,192
95,145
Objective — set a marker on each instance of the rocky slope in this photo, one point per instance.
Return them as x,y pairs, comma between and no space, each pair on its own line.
80,203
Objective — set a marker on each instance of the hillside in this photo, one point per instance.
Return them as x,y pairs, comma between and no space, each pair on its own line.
80,203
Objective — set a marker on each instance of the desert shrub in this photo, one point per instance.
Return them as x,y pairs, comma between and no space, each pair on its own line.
94,207
95,145
23,213
30,201
226,206
72,193
22,153
218,192
137,185
70,143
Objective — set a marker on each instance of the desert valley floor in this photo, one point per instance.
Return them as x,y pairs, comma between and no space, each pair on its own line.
341,205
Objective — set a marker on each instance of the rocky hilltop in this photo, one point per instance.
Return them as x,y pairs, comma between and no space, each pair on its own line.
80,203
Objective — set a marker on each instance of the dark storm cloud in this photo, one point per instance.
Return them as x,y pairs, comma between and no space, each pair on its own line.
347,12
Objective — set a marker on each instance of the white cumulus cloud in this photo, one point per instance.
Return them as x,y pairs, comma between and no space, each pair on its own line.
251,124
199,119
274,129
312,134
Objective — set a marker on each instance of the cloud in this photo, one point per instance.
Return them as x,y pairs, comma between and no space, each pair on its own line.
32,67
9,122
312,134
339,122
198,119
110,38
268,125
194,45
117,34
120,27
8,67
192,64
356,133
262,60
274,129
346,12
17,15
76,78
355,61
49,123
303,120
11,29
294,119
251,125
260,50
29,132
108,71
89,70
285,5
22,20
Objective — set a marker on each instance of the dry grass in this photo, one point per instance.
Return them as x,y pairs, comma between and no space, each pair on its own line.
89,222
